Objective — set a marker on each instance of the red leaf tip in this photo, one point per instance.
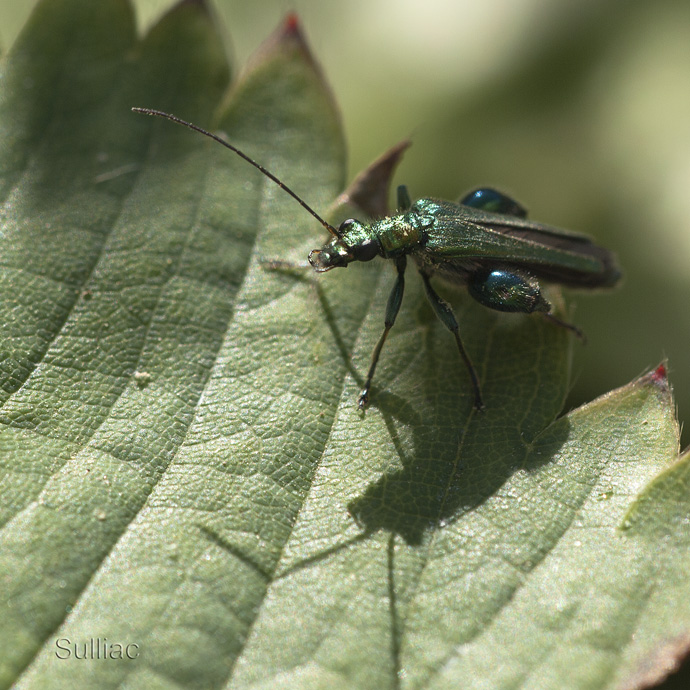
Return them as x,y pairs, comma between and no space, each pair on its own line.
660,374
291,25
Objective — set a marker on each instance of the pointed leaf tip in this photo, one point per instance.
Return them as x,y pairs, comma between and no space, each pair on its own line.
287,42
291,24
659,379
289,35
660,375
370,189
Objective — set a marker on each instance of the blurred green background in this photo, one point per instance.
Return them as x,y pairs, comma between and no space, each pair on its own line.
579,109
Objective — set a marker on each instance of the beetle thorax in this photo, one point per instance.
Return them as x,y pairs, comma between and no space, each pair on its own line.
402,233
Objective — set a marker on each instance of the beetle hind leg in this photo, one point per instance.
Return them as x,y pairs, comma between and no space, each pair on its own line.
564,324
513,291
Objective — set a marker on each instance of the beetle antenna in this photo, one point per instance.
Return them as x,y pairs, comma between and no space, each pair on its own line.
270,175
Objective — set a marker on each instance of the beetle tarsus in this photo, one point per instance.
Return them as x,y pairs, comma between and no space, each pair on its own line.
569,326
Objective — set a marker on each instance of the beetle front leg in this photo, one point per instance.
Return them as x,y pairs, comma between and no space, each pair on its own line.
392,309
447,317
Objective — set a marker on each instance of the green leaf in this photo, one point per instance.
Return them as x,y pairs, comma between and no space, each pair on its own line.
184,469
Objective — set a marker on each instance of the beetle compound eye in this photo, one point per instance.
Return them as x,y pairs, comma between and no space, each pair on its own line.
365,251
345,226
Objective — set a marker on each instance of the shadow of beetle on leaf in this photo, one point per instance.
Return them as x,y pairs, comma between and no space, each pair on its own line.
447,458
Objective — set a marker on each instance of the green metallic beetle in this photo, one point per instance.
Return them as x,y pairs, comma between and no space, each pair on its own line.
484,242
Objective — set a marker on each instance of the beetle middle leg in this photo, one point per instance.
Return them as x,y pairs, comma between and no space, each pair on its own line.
447,317
392,309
